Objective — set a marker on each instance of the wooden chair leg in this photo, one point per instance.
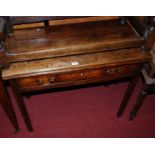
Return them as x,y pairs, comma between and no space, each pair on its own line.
139,102
7,106
21,104
128,93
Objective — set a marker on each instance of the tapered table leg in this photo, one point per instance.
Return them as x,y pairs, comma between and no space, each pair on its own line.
7,105
128,92
139,102
21,104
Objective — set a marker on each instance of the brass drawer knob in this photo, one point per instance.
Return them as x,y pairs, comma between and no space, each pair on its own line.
81,74
114,70
40,81
52,79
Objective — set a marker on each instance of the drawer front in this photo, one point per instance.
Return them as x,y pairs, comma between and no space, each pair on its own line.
71,77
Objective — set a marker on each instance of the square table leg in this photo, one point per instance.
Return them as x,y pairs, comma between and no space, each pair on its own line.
7,106
21,104
129,91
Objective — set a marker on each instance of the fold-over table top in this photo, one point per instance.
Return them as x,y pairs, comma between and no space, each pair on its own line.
70,39
74,62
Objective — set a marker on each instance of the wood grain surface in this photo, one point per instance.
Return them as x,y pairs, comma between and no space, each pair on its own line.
70,39
112,58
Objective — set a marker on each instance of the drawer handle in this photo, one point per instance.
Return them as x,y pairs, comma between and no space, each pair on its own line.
52,79
40,81
113,70
81,74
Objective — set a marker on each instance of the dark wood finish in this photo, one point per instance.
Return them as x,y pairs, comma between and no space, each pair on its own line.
149,41
67,79
138,24
89,68
64,21
123,19
129,91
21,105
72,39
145,26
32,19
139,102
15,20
146,90
62,55
2,45
75,77
146,29
150,69
2,25
7,106
18,20
3,57
75,63
4,96
148,87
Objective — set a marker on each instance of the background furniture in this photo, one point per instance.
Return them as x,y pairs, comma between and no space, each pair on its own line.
148,86
7,106
70,51
4,97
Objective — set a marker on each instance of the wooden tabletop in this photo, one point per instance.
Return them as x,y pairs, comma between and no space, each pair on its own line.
52,65
70,39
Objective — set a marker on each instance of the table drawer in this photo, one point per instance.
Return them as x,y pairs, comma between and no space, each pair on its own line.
70,77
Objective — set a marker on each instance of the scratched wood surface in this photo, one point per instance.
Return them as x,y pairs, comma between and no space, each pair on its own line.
112,58
70,39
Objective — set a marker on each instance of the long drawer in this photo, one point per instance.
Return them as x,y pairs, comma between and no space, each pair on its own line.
75,77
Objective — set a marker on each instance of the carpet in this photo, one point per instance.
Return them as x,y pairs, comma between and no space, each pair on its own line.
88,112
